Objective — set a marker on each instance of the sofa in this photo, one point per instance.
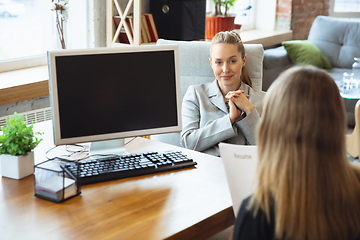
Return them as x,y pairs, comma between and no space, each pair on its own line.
195,69
339,41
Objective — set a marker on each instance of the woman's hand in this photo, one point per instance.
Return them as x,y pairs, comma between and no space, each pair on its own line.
234,112
241,101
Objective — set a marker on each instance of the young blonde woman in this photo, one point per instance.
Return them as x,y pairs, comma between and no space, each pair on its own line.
227,109
307,189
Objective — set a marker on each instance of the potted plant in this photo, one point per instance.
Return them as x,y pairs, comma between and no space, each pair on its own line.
221,20
16,144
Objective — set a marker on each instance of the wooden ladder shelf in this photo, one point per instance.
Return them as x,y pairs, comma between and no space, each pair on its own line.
112,34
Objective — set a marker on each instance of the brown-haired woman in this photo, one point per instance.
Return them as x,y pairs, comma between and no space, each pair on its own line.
227,109
306,187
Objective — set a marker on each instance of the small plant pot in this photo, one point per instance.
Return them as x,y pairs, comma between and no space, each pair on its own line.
215,24
17,167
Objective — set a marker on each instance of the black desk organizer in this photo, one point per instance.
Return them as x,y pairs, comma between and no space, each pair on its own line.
54,183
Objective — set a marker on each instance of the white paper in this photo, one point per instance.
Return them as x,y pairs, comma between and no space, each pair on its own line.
240,166
55,184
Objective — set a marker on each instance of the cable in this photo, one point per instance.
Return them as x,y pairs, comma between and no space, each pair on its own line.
83,149
72,152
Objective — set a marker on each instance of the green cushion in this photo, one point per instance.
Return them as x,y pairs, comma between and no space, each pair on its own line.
306,53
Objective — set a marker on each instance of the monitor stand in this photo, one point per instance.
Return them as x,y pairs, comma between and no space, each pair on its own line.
108,147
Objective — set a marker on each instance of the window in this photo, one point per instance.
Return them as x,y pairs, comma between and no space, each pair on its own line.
243,16
20,27
23,29
261,15
345,8
244,13
28,31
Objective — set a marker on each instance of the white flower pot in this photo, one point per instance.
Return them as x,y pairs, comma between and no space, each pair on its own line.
17,167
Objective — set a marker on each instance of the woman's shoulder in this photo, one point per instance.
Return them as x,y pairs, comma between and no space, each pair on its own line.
258,93
252,226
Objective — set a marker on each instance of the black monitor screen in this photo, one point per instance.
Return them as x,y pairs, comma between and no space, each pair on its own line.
115,92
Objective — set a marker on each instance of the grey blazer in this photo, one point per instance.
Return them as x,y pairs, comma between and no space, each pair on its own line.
206,122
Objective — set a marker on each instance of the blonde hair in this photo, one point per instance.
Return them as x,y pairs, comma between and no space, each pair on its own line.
232,37
303,172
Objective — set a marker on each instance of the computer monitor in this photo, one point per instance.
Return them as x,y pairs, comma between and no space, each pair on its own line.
104,95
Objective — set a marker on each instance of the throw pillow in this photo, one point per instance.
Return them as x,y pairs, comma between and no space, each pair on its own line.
306,53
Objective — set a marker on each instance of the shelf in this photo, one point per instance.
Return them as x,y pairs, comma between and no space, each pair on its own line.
112,34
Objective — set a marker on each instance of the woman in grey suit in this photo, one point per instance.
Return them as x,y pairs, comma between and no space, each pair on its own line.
227,109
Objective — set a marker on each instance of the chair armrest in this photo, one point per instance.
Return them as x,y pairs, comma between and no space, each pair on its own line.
276,57
276,61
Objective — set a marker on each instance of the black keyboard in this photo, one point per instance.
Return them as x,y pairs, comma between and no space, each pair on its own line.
111,168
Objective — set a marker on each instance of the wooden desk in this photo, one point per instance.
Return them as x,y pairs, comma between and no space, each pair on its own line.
190,203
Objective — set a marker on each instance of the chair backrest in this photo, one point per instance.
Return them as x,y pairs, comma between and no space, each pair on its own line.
195,69
337,38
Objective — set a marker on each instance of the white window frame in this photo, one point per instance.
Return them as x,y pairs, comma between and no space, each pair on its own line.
342,14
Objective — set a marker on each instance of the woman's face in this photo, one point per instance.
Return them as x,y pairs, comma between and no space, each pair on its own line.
227,64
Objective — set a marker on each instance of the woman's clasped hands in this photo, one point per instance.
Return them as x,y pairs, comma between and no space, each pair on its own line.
238,103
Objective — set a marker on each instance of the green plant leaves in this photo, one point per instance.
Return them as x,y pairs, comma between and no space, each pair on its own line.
18,138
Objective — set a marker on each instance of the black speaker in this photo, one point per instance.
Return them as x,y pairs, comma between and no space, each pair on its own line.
179,19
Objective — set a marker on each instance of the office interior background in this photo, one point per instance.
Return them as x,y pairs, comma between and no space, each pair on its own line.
24,45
